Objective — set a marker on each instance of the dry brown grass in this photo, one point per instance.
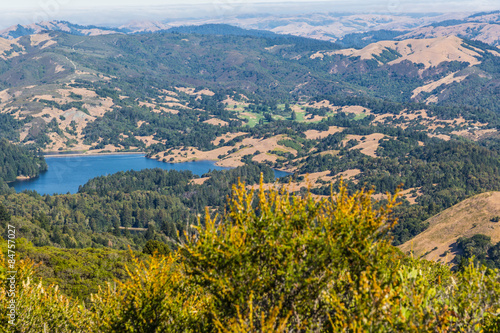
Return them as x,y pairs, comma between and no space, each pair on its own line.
147,104
4,95
7,45
200,181
312,180
230,101
168,92
440,136
429,52
313,118
403,119
216,122
356,109
148,140
37,39
368,143
226,137
249,146
403,194
477,134
348,174
265,157
168,98
433,85
466,219
412,198
322,104
487,33
191,91
314,134
309,181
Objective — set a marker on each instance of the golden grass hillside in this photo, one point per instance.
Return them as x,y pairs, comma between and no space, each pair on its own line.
430,52
466,219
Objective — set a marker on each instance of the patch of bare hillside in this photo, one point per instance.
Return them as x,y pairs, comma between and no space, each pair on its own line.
429,52
434,126
10,48
230,156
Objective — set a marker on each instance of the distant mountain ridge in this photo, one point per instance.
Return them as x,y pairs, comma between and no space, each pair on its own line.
324,26
19,30
136,28
350,30
484,27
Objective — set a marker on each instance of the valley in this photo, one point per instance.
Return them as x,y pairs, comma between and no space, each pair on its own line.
294,104
204,148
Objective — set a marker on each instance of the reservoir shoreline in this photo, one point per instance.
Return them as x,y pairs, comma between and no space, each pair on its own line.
68,174
217,162
71,154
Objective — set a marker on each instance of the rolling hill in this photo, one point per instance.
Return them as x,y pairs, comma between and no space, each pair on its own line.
418,114
484,27
67,91
323,26
393,113
352,30
430,52
466,219
19,30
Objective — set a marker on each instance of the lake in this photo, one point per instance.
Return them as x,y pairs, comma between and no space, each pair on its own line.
67,173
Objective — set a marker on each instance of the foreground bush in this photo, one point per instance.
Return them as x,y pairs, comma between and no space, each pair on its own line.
39,308
278,263
291,254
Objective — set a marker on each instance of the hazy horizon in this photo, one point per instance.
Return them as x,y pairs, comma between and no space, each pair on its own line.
114,13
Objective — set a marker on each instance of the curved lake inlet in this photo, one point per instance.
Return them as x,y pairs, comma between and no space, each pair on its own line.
67,173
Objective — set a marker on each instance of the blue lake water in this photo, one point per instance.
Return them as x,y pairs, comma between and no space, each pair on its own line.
67,173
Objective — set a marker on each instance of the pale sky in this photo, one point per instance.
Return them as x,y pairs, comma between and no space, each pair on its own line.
31,4
116,12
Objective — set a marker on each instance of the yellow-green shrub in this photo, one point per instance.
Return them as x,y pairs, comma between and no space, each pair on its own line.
275,263
39,308
157,297
289,252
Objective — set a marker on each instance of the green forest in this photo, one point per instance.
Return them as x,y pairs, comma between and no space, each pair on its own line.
480,249
18,161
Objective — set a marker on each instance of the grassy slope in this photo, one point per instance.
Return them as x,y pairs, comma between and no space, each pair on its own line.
469,217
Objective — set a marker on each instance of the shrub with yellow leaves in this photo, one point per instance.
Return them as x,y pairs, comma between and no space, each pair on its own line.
157,297
308,258
39,308
275,262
